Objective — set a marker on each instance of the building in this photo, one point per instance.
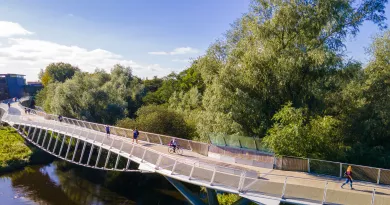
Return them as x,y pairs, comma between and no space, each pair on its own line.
32,88
11,85
14,85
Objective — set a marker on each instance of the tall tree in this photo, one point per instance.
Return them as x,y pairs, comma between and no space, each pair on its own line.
57,72
368,121
276,53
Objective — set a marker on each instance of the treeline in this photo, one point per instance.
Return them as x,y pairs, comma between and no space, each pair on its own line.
280,73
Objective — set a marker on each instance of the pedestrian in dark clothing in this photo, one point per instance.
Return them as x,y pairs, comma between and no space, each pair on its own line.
60,118
348,175
25,110
135,135
9,105
108,130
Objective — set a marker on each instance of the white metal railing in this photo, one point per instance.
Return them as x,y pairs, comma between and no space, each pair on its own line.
144,136
189,144
218,177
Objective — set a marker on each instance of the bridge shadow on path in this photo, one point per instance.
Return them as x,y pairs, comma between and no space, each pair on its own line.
14,111
150,145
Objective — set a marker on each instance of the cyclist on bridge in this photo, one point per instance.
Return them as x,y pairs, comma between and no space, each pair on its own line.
173,144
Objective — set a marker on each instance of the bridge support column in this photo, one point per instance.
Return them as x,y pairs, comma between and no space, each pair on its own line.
192,198
212,197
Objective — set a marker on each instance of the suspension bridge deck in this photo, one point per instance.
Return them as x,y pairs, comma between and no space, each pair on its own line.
250,182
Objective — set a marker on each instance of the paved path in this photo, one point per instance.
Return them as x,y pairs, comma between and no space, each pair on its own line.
300,186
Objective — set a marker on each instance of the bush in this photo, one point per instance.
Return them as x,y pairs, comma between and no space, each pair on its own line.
158,119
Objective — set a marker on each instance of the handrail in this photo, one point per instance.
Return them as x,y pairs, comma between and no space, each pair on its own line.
55,116
170,156
219,166
154,151
185,140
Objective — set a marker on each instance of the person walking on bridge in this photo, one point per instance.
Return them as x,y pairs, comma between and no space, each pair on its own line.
107,130
9,105
135,135
348,175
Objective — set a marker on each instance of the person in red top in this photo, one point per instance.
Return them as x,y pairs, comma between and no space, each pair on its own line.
348,175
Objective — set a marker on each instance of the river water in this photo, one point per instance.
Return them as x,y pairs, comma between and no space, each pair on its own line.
62,183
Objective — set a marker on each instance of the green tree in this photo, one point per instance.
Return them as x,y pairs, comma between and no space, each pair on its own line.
57,72
296,134
163,93
98,97
368,119
278,52
158,119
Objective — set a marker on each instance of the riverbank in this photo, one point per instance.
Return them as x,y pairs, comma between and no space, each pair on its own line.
15,153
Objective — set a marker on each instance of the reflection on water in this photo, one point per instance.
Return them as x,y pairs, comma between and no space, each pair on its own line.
59,184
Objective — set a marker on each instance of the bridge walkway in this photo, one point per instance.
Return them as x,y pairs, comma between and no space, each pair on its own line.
299,186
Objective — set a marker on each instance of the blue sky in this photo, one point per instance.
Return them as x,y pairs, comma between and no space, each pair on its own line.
99,33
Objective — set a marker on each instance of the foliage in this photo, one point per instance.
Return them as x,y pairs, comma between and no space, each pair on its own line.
280,72
57,72
98,97
296,134
13,152
182,82
227,199
368,120
158,119
162,94
277,53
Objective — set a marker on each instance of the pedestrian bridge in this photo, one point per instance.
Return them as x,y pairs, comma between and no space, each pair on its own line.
86,144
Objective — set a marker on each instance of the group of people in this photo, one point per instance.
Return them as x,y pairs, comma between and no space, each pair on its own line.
135,133
14,100
27,110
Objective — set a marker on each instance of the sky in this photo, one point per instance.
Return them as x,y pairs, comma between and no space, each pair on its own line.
153,37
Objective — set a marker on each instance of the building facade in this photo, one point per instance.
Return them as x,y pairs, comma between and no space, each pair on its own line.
14,85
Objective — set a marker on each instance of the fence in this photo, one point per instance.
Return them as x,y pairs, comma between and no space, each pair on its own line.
229,146
237,141
242,153
199,147
336,169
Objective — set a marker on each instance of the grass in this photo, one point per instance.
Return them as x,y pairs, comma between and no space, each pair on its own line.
14,153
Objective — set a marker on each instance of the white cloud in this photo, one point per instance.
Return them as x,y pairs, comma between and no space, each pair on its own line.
158,53
183,50
8,29
176,51
70,15
181,60
28,56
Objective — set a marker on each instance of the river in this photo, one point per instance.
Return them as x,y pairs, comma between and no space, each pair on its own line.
66,184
